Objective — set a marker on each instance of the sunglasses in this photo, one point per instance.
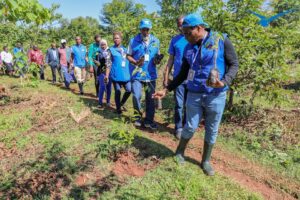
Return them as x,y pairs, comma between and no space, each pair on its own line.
145,29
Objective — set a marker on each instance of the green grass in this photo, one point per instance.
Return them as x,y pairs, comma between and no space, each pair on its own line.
171,181
284,162
68,149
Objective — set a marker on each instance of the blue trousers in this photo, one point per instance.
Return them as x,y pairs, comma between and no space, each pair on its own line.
68,77
180,100
137,95
103,87
210,104
117,86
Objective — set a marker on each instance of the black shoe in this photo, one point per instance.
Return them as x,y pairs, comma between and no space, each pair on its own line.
205,164
119,112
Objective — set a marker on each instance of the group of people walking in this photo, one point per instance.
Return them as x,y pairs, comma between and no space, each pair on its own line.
203,64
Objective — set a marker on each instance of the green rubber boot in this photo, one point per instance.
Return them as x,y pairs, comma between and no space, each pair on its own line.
205,165
179,154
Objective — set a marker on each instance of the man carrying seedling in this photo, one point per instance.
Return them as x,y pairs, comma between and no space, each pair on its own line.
209,65
79,61
143,55
176,49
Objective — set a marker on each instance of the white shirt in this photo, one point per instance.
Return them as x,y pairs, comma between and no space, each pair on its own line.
6,57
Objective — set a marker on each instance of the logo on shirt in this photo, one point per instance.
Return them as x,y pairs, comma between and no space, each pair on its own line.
189,52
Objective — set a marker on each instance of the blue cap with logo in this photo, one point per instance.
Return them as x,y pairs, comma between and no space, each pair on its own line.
193,20
145,23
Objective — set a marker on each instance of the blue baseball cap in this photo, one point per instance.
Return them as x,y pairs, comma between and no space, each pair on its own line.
193,20
145,23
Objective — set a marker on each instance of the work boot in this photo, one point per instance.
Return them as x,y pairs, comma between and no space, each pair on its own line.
80,88
179,154
205,165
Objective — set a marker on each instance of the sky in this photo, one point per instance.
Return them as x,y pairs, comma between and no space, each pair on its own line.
75,8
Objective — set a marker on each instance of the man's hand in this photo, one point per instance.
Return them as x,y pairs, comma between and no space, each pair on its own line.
166,83
217,84
106,79
141,61
160,94
91,70
97,62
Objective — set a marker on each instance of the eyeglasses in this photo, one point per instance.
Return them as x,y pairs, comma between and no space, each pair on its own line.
145,29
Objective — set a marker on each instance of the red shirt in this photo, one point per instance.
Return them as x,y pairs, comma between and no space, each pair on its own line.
36,57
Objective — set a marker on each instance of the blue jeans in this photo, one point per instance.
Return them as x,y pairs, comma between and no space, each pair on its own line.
136,98
117,87
210,104
180,99
68,77
103,87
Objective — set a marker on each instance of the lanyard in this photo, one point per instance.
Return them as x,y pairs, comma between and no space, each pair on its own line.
199,49
147,47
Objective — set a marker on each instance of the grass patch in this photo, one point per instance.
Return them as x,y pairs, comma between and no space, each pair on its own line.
170,181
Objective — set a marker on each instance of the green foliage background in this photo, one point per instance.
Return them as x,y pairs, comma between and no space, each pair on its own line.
265,54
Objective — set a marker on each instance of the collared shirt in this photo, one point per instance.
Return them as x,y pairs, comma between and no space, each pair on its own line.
93,49
79,54
6,57
63,60
36,57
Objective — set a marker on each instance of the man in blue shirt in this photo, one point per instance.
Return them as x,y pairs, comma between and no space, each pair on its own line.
176,49
18,48
79,61
209,65
141,53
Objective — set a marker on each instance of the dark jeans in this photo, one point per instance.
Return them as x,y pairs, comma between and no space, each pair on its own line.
180,98
42,72
54,68
8,67
137,95
117,87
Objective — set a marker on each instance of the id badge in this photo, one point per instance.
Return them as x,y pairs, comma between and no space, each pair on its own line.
123,63
146,57
191,75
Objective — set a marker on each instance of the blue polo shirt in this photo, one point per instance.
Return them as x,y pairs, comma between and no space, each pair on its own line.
176,49
79,54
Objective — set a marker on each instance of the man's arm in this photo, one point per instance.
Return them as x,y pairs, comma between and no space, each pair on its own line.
181,77
168,69
231,61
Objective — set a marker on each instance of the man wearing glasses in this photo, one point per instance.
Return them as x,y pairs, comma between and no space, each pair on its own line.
176,49
209,65
141,53
79,61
